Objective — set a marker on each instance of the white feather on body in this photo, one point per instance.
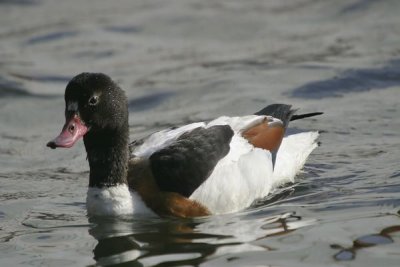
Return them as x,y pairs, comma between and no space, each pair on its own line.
292,156
163,138
236,184
237,180
245,173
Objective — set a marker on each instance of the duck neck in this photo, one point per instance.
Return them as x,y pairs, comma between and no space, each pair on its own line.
108,155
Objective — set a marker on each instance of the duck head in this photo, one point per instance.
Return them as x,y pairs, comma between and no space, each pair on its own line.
94,104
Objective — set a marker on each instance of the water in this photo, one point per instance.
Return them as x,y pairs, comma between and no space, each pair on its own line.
183,61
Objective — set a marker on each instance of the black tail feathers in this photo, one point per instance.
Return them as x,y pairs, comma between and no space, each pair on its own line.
307,115
285,113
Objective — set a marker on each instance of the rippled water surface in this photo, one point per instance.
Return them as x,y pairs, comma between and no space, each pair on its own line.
183,61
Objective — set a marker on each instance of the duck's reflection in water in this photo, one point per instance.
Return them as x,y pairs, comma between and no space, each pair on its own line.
171,242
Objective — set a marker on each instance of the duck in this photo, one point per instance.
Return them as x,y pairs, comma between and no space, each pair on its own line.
199,169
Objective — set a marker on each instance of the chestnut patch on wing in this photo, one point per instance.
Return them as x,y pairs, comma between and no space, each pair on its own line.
265,136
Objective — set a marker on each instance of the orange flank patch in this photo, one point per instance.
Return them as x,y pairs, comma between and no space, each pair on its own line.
265,136
141,179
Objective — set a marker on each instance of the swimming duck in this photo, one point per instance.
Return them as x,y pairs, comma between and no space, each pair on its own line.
202,168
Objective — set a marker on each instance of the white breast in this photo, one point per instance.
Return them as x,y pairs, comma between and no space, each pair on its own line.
114,201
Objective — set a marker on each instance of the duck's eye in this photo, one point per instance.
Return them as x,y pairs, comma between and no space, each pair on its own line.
93,100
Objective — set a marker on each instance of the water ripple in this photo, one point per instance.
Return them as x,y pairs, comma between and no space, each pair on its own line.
350,81
49,37
149,101
382,238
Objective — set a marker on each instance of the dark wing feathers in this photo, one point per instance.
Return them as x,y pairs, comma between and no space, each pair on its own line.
184,165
